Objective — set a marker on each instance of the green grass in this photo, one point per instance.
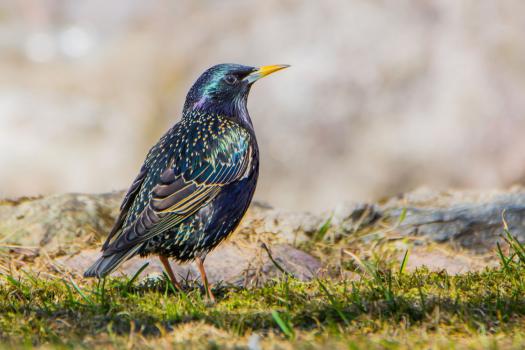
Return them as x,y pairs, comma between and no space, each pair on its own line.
382,309
380,306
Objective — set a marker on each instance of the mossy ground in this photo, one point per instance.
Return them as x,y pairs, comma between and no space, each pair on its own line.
384,309
366,300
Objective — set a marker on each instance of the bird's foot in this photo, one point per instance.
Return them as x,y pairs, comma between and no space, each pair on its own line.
209,295
170,273
210,298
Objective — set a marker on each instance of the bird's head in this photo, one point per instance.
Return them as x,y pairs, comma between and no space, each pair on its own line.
224,88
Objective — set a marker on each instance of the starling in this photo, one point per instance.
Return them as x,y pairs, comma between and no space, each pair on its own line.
196,182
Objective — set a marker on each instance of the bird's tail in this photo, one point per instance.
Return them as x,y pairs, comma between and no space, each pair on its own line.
107,264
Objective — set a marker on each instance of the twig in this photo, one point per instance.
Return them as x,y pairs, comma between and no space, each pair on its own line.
279,267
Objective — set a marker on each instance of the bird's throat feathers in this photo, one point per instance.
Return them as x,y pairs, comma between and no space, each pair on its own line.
232,108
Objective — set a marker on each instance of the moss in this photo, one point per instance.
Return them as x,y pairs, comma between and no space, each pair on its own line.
379,305
381,309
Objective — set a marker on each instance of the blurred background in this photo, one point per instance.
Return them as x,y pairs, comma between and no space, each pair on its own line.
382,96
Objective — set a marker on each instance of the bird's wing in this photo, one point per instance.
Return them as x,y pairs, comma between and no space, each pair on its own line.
195,177
126,204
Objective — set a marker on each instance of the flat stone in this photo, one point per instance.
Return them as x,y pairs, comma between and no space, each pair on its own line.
238,263
471,219
439,259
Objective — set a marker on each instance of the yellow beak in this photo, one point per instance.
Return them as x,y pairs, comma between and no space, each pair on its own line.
263,71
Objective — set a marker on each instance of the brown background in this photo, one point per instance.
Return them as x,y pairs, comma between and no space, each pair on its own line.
383,96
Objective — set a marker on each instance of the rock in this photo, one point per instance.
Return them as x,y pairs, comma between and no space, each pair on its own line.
67,227
234,262
289,227
439,259
69,222
350,217
472,219
58,222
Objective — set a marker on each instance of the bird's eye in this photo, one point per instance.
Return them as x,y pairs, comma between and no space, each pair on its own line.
230,79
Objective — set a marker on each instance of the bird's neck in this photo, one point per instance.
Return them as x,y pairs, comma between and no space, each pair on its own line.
240,113
235,110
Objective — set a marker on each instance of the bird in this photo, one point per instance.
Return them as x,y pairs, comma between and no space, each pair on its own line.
196,183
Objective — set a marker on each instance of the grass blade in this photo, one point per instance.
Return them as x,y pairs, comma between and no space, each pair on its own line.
403,263
402,216
502,257
102,290
69,292
334,302
79,291
135,276
319,236
13,281
277,265
284,325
